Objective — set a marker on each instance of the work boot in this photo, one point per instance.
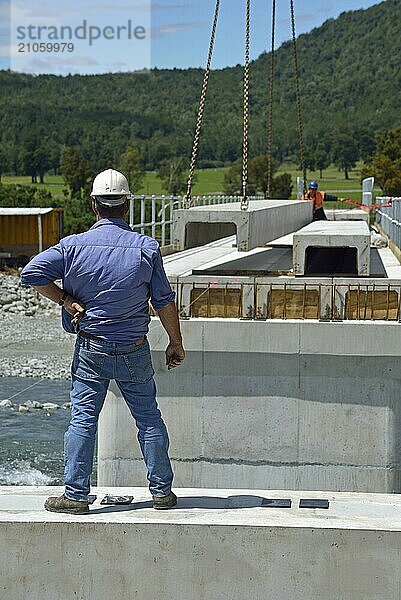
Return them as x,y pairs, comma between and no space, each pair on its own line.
164,502
65,505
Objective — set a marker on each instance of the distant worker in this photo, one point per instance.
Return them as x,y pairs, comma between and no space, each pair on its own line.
318,198
109,274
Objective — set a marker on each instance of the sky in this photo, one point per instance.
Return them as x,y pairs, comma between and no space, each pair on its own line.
136,34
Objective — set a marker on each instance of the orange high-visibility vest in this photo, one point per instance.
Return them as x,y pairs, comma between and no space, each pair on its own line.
317,200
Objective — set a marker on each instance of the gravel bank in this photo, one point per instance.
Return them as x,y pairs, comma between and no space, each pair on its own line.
32,341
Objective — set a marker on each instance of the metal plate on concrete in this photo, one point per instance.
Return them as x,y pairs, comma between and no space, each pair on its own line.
277,502
314,503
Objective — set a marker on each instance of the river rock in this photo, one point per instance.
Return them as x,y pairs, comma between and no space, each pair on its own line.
23,409
33,404
34,363
6,404
50,406
8,299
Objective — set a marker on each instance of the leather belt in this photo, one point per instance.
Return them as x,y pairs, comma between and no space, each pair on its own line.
90,336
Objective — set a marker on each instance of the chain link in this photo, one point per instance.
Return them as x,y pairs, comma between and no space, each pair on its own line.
245,152
201,110
298,95
270,116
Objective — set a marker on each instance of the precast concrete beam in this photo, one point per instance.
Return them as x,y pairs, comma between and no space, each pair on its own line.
265,220
327,247
353,214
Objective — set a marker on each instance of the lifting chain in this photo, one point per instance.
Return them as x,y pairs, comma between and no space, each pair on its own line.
298,96
270,116
245,199
201,110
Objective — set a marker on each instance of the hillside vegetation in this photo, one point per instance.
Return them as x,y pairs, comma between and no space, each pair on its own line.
350,81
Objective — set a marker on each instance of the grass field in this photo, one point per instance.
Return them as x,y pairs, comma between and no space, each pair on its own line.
211,181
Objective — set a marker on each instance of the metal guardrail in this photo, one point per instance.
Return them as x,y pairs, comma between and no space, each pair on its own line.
153,215
389,218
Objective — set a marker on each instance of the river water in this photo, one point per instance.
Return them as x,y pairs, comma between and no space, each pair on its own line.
31,444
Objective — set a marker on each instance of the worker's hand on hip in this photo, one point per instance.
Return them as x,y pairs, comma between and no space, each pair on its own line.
75,309
175,355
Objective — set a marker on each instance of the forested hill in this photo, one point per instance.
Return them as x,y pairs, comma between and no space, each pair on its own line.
350,81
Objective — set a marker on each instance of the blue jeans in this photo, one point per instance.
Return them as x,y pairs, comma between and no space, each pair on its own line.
94,364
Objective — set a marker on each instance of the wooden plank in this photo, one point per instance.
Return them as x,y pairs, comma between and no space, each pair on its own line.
215,302
294,304
371,304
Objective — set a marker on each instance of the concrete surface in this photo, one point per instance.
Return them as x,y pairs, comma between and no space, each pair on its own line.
353,214
333,235
182,264
264,221
217,545
290,404
390,262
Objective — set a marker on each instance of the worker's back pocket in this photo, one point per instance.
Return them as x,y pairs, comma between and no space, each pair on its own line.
139,364
87,364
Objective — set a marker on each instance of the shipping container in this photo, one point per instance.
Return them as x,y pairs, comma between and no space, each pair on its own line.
26,231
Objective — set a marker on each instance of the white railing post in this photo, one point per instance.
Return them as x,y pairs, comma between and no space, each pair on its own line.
143,213
163,240
131,212
153,223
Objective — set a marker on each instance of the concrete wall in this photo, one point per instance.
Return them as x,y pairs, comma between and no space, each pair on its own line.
212,547
289,405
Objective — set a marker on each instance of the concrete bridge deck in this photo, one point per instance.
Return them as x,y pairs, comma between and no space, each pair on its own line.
217,544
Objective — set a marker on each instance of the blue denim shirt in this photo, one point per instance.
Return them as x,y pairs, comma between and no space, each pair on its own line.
113,271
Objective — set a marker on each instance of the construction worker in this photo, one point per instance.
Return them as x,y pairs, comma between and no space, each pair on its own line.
109,273
318,198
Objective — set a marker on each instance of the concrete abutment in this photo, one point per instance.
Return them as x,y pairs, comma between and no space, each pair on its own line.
292,405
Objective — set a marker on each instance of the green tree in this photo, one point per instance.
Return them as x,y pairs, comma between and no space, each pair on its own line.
282,186
172,173
27,163
33,158
322,157
385,164
78,215
345,153
41,162
310,158
131,165
76,171
25,196
257,179
5,162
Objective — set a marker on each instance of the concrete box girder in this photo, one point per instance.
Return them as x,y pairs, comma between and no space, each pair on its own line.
265,220
353,214
333,235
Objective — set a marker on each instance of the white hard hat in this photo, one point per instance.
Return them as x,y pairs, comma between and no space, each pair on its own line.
113,184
